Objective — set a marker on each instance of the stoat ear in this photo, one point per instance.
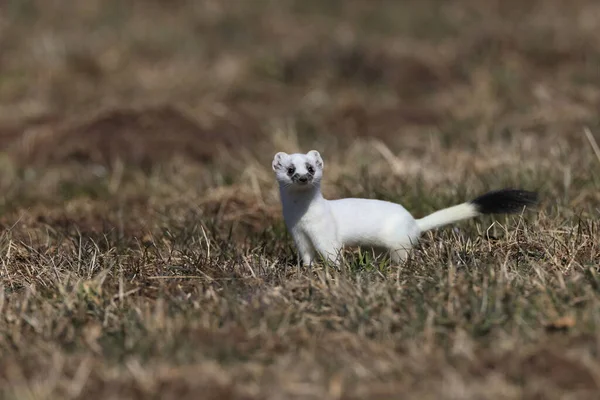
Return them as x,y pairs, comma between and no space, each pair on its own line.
278,160
317,157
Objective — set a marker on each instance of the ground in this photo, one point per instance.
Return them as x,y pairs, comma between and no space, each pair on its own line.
143,252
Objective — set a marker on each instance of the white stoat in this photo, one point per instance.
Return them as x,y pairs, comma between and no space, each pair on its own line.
324,227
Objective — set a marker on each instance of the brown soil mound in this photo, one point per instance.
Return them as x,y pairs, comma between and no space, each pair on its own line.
385,124
136,137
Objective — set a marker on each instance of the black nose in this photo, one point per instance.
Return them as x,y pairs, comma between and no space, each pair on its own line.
303,179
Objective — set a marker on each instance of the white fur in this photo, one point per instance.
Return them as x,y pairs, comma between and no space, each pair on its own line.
447,216
324,227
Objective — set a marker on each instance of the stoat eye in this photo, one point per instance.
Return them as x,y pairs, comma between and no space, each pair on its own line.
291,170
310,169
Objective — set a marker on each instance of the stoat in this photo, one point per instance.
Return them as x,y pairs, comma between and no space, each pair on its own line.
324,227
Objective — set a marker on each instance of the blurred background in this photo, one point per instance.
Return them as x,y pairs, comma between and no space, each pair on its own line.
144,81
136,104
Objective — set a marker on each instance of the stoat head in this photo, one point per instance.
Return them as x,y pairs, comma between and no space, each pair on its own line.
298,171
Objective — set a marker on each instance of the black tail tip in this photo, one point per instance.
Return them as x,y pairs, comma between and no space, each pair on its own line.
505,201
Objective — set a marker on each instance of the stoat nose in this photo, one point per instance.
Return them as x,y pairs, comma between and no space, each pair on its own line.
303,179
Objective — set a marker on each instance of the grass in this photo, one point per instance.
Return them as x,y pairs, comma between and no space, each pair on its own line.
132,266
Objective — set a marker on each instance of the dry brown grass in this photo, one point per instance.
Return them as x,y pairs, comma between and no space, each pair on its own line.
142,250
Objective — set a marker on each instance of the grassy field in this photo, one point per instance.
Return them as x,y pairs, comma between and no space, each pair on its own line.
143,253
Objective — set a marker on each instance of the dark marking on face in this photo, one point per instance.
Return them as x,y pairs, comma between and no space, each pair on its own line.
297,178
310,169
291,170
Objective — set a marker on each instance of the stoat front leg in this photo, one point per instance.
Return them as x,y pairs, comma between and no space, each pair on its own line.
306,251
327,244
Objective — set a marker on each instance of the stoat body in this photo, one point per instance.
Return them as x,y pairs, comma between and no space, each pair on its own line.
321,227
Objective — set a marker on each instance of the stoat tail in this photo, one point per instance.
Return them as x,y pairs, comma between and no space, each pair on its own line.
504,201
